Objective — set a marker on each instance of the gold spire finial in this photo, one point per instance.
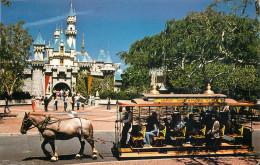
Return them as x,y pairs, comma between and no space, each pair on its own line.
154,91
208,91
71,3
61,28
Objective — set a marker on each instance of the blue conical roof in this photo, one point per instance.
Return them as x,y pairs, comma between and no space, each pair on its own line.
107,59
39,40
84,59
71,13
62,38
101,56
118,76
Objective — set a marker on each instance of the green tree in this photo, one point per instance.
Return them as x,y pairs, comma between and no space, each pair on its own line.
6,2
107,84
14,50
81,86
197,50
207,38
238,6
136,80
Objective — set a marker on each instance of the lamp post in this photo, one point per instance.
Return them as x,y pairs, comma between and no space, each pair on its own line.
162,88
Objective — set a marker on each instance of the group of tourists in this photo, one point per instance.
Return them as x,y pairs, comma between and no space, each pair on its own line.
62,95
65,98
175,125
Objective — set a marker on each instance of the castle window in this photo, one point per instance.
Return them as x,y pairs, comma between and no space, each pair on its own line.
70,28
61,62
61,49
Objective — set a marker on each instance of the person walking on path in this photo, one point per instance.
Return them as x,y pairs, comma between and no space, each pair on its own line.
33,103
108,102
55,104
92,99
6,105
78,101
65,103
46,102
72,102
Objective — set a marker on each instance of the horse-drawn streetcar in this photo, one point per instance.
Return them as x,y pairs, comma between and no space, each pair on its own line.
187,125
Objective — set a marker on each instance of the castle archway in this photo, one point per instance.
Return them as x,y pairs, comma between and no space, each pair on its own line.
62,86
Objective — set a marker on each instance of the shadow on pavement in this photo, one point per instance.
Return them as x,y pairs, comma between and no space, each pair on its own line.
61,157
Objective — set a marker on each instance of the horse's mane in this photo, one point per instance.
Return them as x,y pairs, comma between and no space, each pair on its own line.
43,115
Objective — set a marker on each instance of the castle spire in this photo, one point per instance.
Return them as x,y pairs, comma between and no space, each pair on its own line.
71,13
83,45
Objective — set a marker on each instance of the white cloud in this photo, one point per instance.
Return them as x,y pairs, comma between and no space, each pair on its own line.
53,19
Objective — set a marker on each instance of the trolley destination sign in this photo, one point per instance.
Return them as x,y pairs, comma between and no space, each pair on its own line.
189,100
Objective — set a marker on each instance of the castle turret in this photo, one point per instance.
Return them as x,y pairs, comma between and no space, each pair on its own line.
71,33
56,34
39,47
37,66
83,45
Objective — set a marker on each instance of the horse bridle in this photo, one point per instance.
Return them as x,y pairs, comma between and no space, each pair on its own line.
42,123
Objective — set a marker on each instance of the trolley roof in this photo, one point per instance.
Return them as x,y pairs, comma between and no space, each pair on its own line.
185,102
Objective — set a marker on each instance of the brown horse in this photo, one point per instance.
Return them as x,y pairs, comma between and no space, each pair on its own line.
53,129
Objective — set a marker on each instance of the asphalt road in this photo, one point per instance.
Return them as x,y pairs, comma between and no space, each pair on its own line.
24,149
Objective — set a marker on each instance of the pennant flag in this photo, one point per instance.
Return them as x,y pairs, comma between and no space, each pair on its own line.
47,78
89,83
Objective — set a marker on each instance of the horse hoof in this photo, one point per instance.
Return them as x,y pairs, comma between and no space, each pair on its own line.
94,157
78,156
54,159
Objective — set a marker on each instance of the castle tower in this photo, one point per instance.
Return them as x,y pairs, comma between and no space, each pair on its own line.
83,45
56,34
71,33
39,47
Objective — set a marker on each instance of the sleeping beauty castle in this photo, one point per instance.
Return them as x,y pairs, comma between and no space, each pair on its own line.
56,65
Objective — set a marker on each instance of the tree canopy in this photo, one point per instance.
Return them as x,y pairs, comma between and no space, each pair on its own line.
14,50
6,2
199,49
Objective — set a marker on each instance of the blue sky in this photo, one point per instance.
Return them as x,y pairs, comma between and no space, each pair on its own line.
119,22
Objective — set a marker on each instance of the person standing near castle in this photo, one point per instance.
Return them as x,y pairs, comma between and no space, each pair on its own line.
33,103
65,103
46,102
78,101
72,102
6,105
108,102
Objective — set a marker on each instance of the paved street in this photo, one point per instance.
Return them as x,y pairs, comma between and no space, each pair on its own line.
26,149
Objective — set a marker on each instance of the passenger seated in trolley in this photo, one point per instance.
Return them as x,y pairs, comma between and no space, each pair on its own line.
151,128
179,127
127,120
191,125
213,133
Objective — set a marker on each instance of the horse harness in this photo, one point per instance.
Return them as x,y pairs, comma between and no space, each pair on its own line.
47,121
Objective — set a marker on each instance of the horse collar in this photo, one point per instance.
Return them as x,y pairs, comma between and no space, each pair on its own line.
43,123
